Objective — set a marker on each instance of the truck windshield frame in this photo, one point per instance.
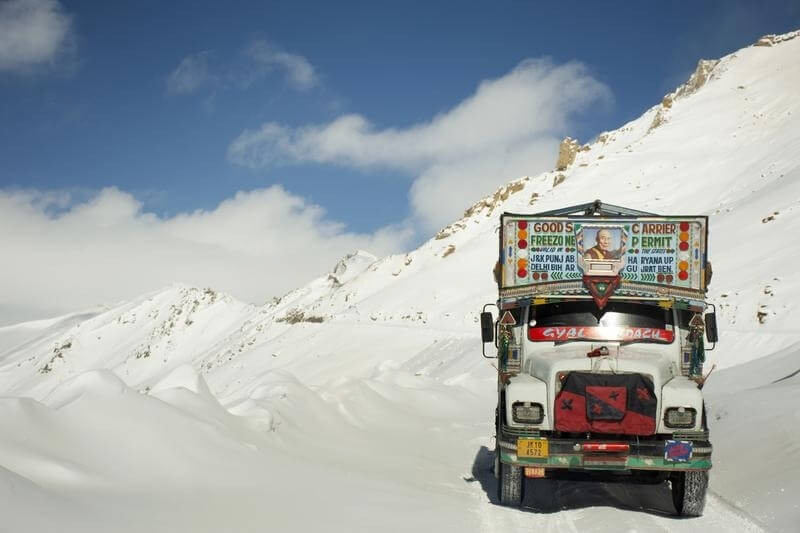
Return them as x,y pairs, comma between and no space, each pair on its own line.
619,321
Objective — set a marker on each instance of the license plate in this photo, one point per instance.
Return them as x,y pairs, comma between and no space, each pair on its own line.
532,448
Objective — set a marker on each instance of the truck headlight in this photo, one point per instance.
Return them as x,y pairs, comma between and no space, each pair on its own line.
680,417
527,412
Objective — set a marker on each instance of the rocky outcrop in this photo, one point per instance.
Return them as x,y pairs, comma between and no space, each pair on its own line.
350,266
700,76
771,40
499,196
567,152
449,230
660,117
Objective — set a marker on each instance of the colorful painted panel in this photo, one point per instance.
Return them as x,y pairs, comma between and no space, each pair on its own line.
656,251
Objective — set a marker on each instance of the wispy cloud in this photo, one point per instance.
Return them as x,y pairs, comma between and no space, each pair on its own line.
508,128
191,74
33,33
266,57
257,61
60,256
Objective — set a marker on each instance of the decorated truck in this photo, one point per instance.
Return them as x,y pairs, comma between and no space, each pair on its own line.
600,348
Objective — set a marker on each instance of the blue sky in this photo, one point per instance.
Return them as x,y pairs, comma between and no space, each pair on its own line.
345,108
107,119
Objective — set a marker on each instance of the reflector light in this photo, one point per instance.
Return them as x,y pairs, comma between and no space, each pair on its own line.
683,246
522,244
522,263
522,272
684,236
684,226
683,275
683,265
605,447
522,234
522,224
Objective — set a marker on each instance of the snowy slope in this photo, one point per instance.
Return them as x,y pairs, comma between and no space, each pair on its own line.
363,395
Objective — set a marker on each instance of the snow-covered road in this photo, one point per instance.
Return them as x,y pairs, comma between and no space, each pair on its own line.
407,448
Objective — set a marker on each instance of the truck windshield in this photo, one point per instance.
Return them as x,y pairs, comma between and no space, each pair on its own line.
618,321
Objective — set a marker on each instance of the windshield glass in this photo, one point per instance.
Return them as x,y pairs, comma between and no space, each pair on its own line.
618,321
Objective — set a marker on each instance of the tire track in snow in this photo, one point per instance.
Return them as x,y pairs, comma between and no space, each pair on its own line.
750,522
605,507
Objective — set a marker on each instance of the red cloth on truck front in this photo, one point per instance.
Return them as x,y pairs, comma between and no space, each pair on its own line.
606,403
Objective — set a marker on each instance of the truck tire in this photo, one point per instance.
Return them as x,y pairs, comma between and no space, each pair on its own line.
689,492
510,485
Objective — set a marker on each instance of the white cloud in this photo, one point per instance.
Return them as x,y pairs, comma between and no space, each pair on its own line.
299,72
190,75
508,128
32,33
257,61
255,245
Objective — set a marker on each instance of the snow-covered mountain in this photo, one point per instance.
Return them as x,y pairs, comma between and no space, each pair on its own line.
364,394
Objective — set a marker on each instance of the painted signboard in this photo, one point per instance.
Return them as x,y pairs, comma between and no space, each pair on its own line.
544,253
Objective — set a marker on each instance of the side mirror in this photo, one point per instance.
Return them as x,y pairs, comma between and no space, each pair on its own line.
711,327
487,327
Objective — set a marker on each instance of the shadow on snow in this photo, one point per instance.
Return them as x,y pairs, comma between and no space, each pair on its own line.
577,491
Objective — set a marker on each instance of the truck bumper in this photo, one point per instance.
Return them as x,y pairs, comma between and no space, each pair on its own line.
677,452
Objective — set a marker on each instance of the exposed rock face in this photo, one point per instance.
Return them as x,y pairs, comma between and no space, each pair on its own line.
500,195
699,77
660,118
770,40
567,152
350,266
490,202
449,230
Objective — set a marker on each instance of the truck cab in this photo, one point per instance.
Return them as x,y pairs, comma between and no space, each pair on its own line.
601,349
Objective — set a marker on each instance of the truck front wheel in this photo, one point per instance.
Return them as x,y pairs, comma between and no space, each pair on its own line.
510,484
689,492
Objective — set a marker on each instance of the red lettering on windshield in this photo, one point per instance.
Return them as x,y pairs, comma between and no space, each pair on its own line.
621,334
